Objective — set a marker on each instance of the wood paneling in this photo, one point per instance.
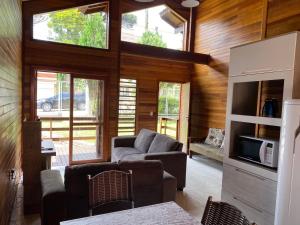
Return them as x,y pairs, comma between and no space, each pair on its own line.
163,53
10,101
283,17
221,25
148,72
69,58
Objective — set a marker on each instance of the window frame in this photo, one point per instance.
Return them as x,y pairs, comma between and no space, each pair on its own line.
186,25
71,6
136,105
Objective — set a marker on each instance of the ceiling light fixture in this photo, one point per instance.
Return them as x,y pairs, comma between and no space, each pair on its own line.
190,3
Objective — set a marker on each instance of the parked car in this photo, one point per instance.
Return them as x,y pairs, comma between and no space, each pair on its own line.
48,104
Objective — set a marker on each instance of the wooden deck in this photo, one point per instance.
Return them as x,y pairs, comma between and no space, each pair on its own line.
82,151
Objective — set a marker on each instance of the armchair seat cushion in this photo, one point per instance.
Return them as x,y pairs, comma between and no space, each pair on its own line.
163,143
121,152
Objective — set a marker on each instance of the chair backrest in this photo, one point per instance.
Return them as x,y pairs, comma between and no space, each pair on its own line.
222,213
109,186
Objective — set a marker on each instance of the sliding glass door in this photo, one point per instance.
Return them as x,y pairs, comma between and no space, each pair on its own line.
86,119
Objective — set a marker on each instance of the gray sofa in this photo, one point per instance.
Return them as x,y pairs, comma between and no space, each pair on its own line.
68,199
149,145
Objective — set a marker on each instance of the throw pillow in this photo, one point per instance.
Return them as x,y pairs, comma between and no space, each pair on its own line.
144,140
223,143
215,137
163,143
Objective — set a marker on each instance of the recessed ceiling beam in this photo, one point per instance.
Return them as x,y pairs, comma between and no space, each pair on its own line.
163,53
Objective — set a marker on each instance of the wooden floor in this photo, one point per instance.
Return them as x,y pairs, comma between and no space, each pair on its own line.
82,151
204,178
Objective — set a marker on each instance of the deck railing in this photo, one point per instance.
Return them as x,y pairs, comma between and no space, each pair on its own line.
90,121
166,128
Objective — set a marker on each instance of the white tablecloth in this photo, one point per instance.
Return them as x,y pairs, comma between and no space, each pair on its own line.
161,214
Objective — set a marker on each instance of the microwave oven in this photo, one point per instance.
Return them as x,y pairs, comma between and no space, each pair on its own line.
261,151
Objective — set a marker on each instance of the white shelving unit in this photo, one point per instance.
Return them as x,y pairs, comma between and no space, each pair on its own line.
251,187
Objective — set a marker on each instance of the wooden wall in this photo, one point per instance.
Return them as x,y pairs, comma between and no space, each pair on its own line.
10,101
283,17
220,25
74,59
148,72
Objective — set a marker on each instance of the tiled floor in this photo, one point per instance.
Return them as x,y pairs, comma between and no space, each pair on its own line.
204,178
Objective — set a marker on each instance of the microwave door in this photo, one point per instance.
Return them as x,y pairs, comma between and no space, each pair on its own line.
262,152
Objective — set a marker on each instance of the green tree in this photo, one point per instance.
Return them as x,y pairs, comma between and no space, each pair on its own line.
72,27
67,25
153,39
94,32
129,20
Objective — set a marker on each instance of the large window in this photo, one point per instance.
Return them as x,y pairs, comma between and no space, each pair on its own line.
158,26
83,26
127,107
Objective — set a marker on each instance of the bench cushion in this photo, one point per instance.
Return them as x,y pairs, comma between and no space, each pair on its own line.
207,150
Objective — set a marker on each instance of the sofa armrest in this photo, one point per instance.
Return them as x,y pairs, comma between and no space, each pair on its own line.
125,141
174,163
53,204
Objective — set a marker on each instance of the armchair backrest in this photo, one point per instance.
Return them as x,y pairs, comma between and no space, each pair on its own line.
76,185
147,181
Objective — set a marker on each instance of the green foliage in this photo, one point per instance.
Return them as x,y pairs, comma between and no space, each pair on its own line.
72,27
129,20
94,32
153,39
67,25
172,106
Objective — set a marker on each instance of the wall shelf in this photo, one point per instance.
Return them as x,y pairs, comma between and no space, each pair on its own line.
257,120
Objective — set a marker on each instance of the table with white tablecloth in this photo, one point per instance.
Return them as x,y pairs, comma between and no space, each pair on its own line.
160,214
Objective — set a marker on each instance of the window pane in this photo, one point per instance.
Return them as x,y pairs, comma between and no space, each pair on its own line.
158,26
84,26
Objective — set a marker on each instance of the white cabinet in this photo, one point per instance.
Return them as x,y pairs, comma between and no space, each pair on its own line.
250,210
275,63
241,183
270,55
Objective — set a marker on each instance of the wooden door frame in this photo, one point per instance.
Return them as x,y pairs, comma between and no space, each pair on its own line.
157,105
85,75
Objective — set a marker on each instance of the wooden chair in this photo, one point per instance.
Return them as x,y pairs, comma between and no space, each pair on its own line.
110,191
221,213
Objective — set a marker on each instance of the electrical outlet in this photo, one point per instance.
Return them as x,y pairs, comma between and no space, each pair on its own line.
12,174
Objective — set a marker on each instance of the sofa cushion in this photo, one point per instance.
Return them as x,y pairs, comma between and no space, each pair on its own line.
144,140
134,157
163,143
121,152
